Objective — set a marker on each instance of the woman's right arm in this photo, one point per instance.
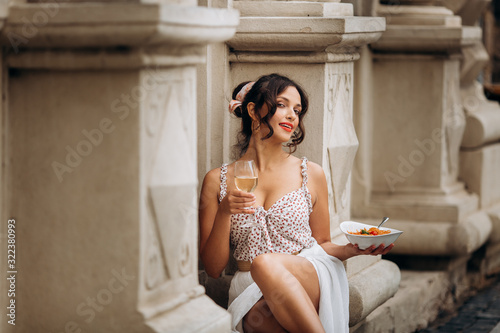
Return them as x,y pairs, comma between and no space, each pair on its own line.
215,221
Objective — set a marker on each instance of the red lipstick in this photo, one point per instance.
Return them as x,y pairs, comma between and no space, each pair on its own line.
286,126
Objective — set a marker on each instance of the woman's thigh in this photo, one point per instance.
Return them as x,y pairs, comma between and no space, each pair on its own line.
281,270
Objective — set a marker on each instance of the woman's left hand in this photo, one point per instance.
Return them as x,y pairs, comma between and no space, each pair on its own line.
353,250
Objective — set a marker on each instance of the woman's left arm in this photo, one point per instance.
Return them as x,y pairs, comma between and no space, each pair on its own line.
319,219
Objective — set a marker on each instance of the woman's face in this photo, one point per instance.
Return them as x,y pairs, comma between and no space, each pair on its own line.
286,119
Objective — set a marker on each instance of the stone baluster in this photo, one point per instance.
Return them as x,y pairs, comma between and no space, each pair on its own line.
314,43
100,164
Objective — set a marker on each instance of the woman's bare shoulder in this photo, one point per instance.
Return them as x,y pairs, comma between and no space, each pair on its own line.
213,174
211,182
315,170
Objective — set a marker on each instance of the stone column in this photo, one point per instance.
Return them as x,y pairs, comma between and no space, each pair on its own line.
410,159
480,152
315,43
100,165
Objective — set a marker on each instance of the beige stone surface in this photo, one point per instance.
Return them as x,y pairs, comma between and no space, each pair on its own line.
115,24
292,8
479,170
474,58
410,125
424,91
305,33
418,15
197,314
482,125
418,301
426,39
468,10
482,115
370,288
84,206
99,250
101,168
97,173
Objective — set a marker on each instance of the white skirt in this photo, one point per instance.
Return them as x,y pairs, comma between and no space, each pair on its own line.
334,292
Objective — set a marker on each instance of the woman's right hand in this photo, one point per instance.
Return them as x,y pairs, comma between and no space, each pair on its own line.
238,202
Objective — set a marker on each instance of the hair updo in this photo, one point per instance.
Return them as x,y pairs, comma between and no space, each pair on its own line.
266,90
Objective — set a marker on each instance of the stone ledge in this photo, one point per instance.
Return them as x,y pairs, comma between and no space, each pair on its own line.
70,25
426,207
293,8
292,57
111,59
422,39
199,315
420,298
305,33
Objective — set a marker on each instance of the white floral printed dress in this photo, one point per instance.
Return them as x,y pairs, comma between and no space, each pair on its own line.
284,228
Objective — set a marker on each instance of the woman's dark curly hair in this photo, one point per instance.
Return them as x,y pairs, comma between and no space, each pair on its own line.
266,90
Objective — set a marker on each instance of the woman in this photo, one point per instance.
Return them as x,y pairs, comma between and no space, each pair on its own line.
300,282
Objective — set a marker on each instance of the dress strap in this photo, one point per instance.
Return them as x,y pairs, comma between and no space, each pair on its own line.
304,171
223,185
304,184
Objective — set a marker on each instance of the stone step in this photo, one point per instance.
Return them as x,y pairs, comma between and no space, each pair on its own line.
419,300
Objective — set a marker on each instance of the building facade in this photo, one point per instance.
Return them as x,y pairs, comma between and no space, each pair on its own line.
113,111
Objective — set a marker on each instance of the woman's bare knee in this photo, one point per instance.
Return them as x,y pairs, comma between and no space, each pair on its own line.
262,264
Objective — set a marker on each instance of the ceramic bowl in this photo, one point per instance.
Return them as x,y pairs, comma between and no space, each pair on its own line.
365,241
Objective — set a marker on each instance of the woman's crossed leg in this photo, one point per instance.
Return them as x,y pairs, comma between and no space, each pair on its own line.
290,289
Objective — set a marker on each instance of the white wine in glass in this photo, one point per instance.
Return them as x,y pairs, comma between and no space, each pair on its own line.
245,175
247,184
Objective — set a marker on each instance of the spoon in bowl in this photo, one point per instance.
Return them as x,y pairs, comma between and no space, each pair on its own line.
383,221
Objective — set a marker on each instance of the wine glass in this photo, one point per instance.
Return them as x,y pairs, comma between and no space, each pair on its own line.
245,175
246,179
